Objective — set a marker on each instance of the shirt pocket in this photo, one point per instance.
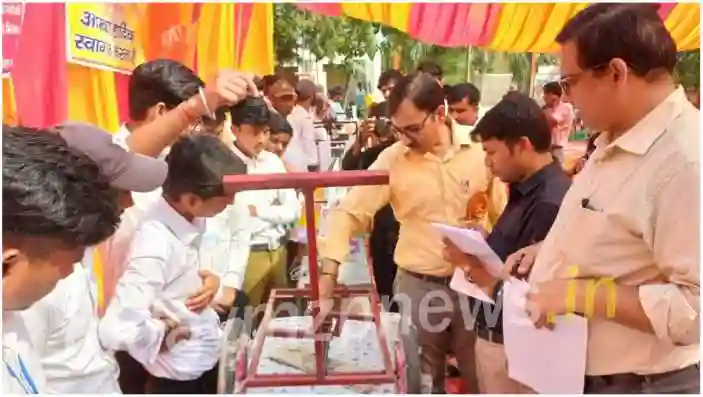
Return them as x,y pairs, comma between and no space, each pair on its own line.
586,241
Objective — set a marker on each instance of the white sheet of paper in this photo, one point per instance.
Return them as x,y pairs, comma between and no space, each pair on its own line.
459,283
472,242
548,361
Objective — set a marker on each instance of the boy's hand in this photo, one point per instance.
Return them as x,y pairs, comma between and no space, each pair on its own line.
204,296
173,334
224,304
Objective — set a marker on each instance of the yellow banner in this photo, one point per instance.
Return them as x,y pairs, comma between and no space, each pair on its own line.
103,35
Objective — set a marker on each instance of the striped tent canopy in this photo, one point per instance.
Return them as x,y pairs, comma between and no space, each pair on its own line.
515,27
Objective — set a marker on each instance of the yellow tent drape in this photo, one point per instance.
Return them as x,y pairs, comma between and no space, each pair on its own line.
92,97
9,107
684,24
215,39
395,15
258,53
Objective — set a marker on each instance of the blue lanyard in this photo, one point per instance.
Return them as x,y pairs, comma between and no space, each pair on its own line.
23,378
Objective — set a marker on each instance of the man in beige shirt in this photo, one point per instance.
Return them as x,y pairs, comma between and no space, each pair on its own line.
624,249
433,178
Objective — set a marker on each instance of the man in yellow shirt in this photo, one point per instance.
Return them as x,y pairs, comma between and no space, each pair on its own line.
433,178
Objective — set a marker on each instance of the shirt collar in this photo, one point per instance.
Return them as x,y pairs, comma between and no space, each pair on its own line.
249,161
185,231
460,138
537,179
638,139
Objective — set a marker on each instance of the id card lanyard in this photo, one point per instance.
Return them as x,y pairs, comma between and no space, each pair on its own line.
23,377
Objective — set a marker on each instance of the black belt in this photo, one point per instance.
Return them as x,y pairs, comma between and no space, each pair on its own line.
598,382
265,247
489,335
431,279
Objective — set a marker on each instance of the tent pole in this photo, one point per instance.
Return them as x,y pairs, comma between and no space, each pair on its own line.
469,58
533,71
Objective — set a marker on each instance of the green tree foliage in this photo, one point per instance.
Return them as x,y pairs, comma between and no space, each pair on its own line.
325,37
688,69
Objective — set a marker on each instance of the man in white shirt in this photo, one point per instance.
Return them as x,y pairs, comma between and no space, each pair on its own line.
179,348
64,324
271,210
302,150
55,204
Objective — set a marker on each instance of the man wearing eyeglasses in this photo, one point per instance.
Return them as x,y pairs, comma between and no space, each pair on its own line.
630,224
433,178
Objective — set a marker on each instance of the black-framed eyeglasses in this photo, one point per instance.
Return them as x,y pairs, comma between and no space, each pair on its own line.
568,81
413,129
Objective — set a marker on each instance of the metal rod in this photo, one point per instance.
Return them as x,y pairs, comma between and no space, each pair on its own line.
309,194
345,379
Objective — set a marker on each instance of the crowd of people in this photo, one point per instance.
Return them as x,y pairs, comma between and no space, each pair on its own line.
124,253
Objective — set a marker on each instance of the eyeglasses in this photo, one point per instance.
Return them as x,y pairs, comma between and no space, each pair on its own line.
410,129
570,80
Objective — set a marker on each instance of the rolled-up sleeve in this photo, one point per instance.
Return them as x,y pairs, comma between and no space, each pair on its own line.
128,323
355,213
674,238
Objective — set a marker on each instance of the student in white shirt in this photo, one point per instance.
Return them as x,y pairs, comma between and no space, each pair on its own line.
64,324
148,316
302,150
55,204
165,102
271,210
155,87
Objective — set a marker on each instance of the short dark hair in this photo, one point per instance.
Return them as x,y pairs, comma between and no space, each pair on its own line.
279,124
269,80
52,191
196,164
553,87
335,91
514,117
431,68
632,32
251,111
456,93
387,76
162,80
421,89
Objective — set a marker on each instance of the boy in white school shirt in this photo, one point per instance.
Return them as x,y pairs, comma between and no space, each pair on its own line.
64,324
271,210
148,316
55,204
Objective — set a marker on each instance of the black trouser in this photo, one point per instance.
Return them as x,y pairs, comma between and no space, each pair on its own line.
682,381
133,377
384,237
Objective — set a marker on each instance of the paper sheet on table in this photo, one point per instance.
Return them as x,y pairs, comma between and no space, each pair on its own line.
548,361
472,242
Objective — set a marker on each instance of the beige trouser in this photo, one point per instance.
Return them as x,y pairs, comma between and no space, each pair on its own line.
265,270
443,320
492,370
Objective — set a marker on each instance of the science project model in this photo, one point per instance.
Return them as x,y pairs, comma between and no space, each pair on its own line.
396,369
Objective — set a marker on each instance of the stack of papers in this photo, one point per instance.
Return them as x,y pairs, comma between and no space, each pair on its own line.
471,242
548,361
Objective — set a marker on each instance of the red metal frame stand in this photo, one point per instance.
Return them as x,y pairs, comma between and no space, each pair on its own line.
323,329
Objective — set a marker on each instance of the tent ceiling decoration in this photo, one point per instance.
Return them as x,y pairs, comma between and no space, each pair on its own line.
514,27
